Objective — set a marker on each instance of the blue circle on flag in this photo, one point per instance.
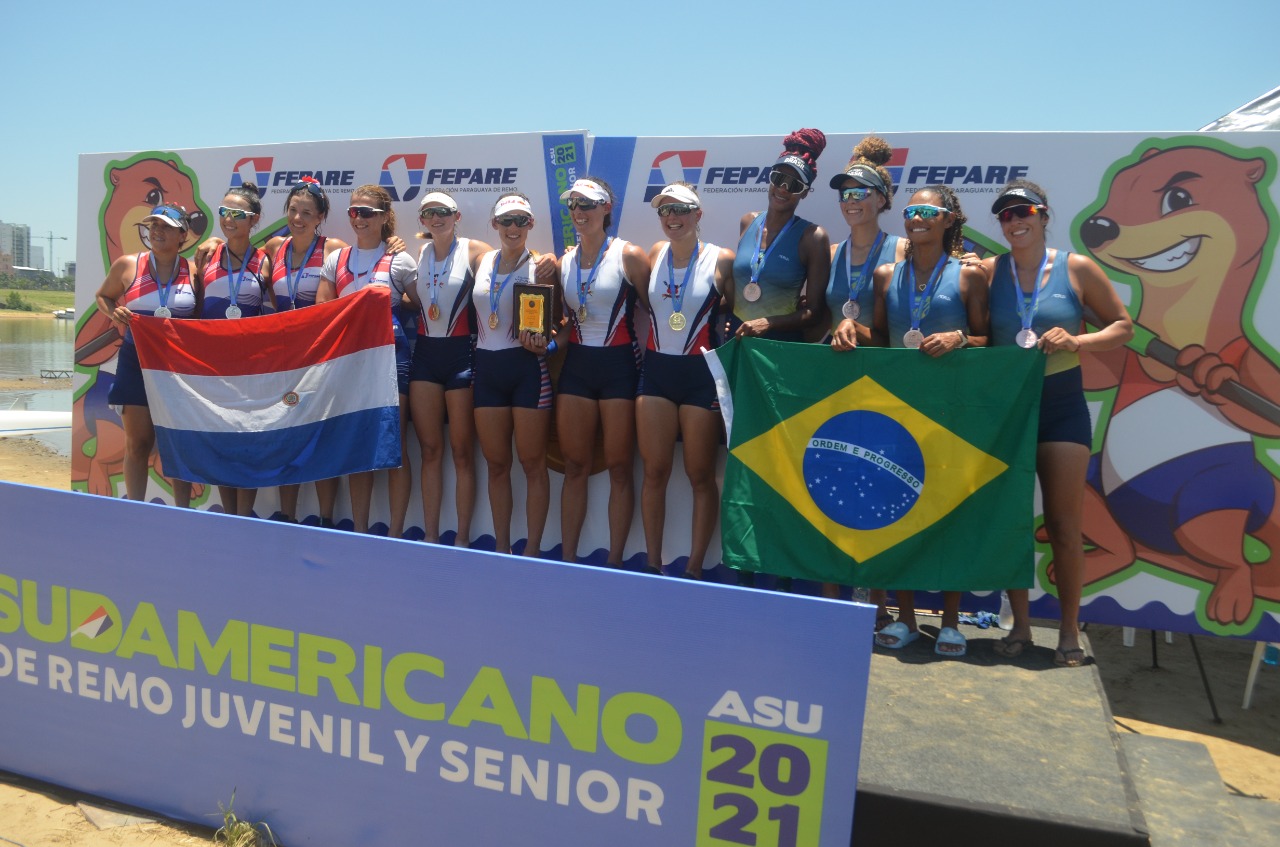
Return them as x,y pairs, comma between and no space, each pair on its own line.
864,470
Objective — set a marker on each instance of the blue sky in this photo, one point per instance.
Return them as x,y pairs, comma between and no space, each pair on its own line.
129,76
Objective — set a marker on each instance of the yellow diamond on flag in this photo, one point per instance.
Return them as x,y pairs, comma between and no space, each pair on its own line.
867,470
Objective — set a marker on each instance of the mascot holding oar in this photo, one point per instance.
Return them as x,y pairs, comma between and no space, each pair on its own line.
1178,482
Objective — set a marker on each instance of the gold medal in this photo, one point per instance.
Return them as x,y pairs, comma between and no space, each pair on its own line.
433,312
677,322
493,320
582,313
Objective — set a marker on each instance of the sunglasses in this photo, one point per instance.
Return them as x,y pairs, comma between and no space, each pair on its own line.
666,210
585,205
233,214
311,186
924,212
855,195
436,212
1008,213
517,221
173,213
791,185
362,212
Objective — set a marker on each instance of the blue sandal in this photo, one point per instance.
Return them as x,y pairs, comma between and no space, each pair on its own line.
901,634
950,636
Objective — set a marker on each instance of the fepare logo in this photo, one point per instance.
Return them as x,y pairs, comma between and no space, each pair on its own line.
959,175
674,166
402,175
896,164
252,169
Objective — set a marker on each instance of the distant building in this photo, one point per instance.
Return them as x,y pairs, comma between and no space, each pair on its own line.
15,239
6,263
70,271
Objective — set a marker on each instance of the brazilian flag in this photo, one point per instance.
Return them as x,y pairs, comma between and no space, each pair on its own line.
880,467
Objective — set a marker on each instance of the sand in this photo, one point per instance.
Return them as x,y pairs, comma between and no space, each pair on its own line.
1167,701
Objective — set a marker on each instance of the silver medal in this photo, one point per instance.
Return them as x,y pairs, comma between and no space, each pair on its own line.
912,338
163,312
851,310
1026,338
233,311
751,292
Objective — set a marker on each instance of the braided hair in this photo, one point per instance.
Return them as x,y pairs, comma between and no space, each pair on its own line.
808,145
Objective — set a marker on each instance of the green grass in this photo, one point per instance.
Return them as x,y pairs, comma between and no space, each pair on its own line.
42,301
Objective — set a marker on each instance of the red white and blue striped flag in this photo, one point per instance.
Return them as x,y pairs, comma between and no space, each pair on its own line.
286,398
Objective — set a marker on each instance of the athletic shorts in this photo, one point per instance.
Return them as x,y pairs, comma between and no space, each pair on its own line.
404,357
514,378
128,389
684,380
443,361
599,373
1064,415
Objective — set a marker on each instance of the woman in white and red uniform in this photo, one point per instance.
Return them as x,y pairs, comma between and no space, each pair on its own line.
161,283
691,283
296,263
347,271
602,278
235,285
512,386
441,374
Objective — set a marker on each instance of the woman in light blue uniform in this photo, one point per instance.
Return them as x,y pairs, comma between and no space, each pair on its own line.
1038,298
929,302
782,261
865,191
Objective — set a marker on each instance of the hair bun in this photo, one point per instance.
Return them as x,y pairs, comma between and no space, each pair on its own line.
874,149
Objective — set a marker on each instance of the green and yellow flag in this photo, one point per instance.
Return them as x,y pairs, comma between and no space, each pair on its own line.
880,467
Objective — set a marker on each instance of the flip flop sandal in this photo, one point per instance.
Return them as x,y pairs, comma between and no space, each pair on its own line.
884,620
1072,658
1011,648
899,632
950,636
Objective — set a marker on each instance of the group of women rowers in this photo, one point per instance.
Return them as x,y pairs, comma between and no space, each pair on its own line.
472,367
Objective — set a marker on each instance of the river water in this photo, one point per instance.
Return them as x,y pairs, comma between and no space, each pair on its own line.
28,346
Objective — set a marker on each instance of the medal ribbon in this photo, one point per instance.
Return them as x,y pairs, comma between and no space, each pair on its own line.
867,266
495,295
233,281
162,291
445,271
920,307
1028,304
584,291
759,257
291,281
677,295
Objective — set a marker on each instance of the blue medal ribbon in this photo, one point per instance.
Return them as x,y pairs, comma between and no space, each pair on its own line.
864,274
760,256
445,271
920,307
677,294
1028,304
233,281
293,282
162,290
584,291
495,295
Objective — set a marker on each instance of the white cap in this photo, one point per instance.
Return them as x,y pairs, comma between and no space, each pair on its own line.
438,197
510,204
589,189
675,193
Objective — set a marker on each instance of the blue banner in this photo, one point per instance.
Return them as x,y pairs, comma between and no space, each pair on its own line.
356,690
566,160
